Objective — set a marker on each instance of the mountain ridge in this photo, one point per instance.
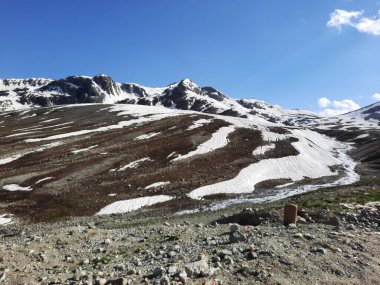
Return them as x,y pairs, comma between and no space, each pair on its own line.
184,95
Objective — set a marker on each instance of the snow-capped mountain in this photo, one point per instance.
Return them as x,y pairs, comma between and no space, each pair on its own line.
184,95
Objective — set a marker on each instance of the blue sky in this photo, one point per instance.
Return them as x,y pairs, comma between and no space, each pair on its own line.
282,52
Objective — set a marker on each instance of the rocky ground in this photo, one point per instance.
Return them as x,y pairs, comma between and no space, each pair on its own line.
336,241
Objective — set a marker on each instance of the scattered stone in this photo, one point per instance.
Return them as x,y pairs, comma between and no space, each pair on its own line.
237,237
228,260
234,228
172,270
224,252
165,280
350,227
309,236
182,276
159,271
318,250
298,235
197,268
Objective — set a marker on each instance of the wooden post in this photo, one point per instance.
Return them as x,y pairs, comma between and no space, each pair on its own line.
290,214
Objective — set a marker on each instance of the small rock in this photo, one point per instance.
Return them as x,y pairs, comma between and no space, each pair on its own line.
182,277
159,271
2,277
252,255
298,235
101,281
318,250
165,280
172,270
197,268
228,260
119,281
237,237
309,236
350,227
224,252
234,228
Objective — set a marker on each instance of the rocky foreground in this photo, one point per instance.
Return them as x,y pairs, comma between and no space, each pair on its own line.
235,246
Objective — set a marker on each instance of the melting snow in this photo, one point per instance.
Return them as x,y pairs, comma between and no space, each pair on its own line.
218,140
312,161
16,187
263,149
130,205
157,184
144,114
134,164
4,219
17,156
199,123
147,136
362,136
44,179
84,149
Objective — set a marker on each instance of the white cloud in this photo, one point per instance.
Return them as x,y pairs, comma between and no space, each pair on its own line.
337,107
376,96
338,18
323,102
369,25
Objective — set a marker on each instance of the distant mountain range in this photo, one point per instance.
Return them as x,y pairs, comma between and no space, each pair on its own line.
185,95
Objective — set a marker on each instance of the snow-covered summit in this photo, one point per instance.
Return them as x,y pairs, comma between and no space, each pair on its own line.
183,95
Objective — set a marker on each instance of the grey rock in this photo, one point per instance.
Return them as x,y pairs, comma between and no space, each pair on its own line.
318,250
197,268
237,237
159,271
234,228
165,280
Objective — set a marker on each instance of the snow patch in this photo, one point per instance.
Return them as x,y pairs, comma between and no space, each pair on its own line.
263,149
17,156
134,164
147,136
44,179
16,187
84,149
130,205
157,184
361,136
218,140
316,153
5,219
199,123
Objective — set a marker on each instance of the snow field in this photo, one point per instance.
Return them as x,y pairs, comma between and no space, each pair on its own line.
313,161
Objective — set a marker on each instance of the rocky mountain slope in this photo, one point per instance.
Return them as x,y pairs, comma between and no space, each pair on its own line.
77,160
64,152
